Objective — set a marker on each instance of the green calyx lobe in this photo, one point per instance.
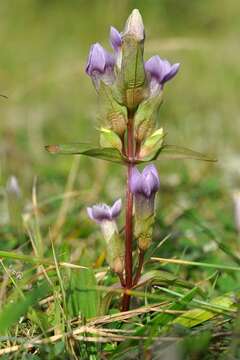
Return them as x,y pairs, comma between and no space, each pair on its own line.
112,113
132,78
145,117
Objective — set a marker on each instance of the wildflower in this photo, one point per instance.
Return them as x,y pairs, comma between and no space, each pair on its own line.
160,71
115,38
100,65
116,43
13,186
106,216
144,186
102,212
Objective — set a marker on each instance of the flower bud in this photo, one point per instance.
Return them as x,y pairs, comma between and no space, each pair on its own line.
116,43
134,26
145,117
110,139
144,187
132,79
105,216
152,144
112,114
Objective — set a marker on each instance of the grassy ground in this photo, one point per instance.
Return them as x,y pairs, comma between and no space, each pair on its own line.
187,311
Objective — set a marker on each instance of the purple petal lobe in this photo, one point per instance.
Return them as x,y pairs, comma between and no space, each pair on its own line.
98,60
101,212
135,181
116,208
160,70
172,73
115,38
146,186
146,183
90,214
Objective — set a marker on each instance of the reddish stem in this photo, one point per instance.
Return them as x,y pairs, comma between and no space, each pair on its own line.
129,220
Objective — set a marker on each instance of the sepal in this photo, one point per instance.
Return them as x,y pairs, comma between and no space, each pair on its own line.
152,144
145,117
112,113
109,139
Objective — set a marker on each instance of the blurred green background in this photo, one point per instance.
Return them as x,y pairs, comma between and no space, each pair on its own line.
44,47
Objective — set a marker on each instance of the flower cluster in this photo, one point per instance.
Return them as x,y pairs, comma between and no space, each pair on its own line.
126,82
130,91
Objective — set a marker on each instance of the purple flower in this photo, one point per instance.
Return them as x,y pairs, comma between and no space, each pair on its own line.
160,71
103,212
100,65
115,39
116,43
146,183
144,187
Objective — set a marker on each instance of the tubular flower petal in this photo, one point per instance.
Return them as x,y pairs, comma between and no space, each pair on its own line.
105,216
147,183
160,71
100,65
115,39
144,187
102,212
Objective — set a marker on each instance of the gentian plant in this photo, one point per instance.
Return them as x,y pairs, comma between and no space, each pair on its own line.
130,92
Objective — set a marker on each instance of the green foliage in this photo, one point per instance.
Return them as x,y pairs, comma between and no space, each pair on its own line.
44,49
18,307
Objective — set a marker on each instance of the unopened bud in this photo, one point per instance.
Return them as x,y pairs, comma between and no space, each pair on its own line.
109,138
152,144
134,26
132,79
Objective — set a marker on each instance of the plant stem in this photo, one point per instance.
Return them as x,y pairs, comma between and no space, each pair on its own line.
139,269
129,220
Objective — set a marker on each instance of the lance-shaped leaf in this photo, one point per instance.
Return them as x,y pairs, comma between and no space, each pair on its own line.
177,152
108,154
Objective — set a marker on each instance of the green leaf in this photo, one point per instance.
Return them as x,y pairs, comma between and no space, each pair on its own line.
109,154
163,278
12,312
179,152
198,316
82,298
